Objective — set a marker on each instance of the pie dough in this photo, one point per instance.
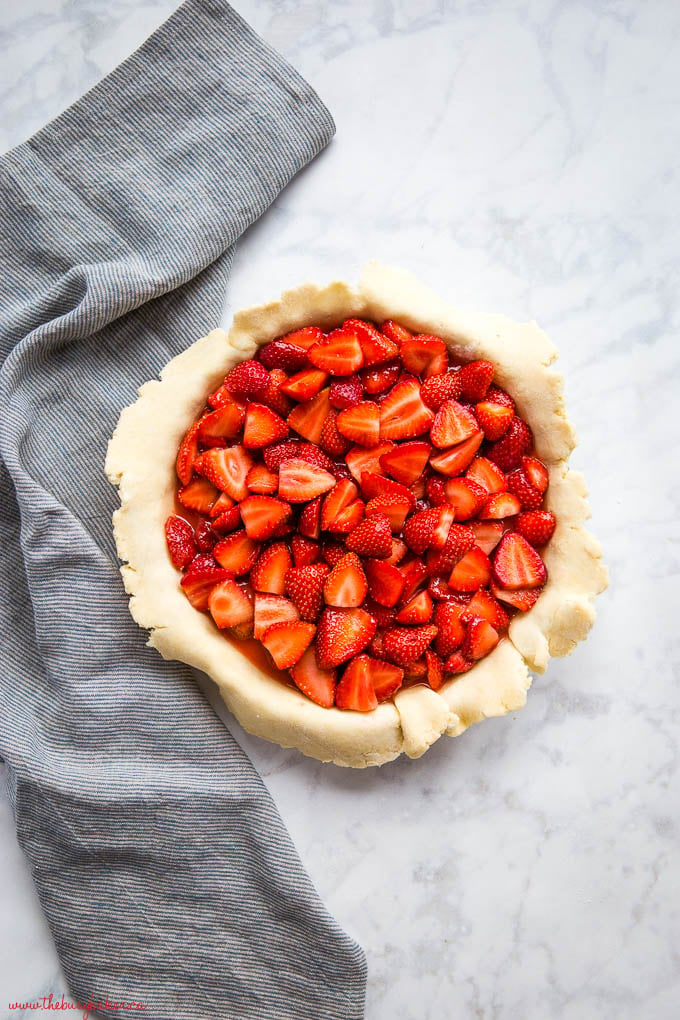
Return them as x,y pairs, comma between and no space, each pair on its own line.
145,475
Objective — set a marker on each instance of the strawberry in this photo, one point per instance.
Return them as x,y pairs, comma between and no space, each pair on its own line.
187,454
332,441
332,552
300,481
200,494
404,645
260,479
452,424
380,377
308,418
288,641
304,587
537,526
237,552
359,459
441,532
403,415
340,496
227,469
517,564
424,355
439,388
338,353
346,585
459,542
393,331
373,484
261,515
227,521
485,605
494,419
305,337
355,690
435,669
385,582
475,379
282,354
495,395
454,461
340,471
230,605
527,497
457,663
375,347
508,451
472,572
465,496
435,491
536,472
272,395
406,462
305,384
416,672
205,536
414,573
417,610
487,474
222,503
349,518
317,684
522,600
399,550
342,633
503,504
419,529
247,379
450,629
224,423
262,427
309,523
480,639
360,424
440,591
181,541
373,537
394,507
201,577
386,678
304,550
487,534
293,448
271,609
346,392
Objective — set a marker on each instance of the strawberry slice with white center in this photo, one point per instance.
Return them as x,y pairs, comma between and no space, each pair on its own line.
517,564
230,604
375,347
487,534
425,355
261,515
349,518
271,609
200,578
304,337
465,496
237,553
494,418
373,537
403,415
305,384
339,353
373,485
385,582
522,599
394,331
262,427
360,424
269,572
261,480
503,504
417,610
485,605
342,633
480,639
406,462
440,534
340,496
287,642
394,507
308,418
536,472
300,481
346,585
355,691
403,645
453,424
488,475
399,550
224,423
360,460
473,571
386,678
200,495
227,469
415,575
454,461
318,684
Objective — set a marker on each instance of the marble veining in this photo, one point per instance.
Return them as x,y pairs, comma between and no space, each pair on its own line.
521,155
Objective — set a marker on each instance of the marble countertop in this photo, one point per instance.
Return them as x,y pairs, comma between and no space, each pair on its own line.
523,156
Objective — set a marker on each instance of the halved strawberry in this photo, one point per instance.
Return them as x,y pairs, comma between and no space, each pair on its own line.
230,604
459,542
415,672
346,584
349,518
485,605
487,474
536,472
457,663
475,379
487,534
415,575
380,377
537,526
465,496
271,609
399,550
373,537
304,550
342,633
480,639
386,678
503,504
403,414
439,388
452,424
272,396
440,591
287,642
201,577
524,600
227,469
237,553
332,552
222,503
332,441
528,498
227,521
289,449
417,610
440,534
261,515
309,523
247,379
472,572
300,481
406,462
424,355
338,353
434,490
345,392
359,459
206,538
355,690
404,645
435,669
373,484
496,395
393,331
304,337
340,496
494,418
282,354
454,461
181,541
419,529
450,628
394,507
360,424
318,684
224,423
508,451
308,418
304,587
262,427
260,479
385,582
269,572
376,348
305,384
187,454
200,494
517,564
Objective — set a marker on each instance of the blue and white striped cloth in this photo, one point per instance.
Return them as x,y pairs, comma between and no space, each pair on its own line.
161,862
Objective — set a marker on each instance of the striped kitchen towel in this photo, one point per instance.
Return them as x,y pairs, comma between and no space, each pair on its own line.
161,862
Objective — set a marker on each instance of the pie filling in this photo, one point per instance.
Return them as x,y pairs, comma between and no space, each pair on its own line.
363,509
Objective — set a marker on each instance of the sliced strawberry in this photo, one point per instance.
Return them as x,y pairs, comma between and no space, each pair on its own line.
465,496
230,604
472,572
247,379
440,591
487,534
309,523
338,353
271,609
536,472
420,528
201,577
537,526
308,418
373,537
394,507
360,424
181,541
399,550
222,503
503,504
300,481
332,552
487,474
187,454
380,378
376,348
305,337
457,663
305,384
415,575
522,600
528,498
439,388
415,672
340,496
508,451
200,494
386,678
272,396
454,461
435,491
459,542
205,536
517,564
304,550
373,484
227,469
355,690
450,628
261,515
269,572
349,518
282,354
496,395
224,423
360,460
385,582
346,392
406,462
404,645
403,414
424,355
287,642
318,684
304,587
494,418
262,427
417,610
475,379
332,441
440,534
480,639
485,605
260,479
346,585
393,331
237,553
227,521
342,633
452,424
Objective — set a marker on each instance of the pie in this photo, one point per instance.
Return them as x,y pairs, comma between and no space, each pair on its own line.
356,516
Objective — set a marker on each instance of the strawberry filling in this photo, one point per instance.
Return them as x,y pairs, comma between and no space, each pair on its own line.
362,511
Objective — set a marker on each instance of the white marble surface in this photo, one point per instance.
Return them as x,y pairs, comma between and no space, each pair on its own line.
525,157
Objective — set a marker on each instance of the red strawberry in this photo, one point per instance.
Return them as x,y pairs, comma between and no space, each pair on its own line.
227,469
304,337
338,353
261,479
465,496
394,507
508,451
414,573
503,504
181,541
536,472
494,418
440,591
360,424
403,415
300,481
224,423
346,392
537,526
487,534
459,542
200,494
237,552
441,532
522,600
349,518
452,424
293,448
424,355
417,610
346,585
393,331
420,528
318,684
385,582
261,515
262,427
287,642
435,491
332,552
457,663
222,503
342,633
435,669
485,605
528,498
308,418
373,537
495,395
373,485
487,474
450,629
517,564
201,577
272,396
305,384
475,379
380,377
480,639
359,459
304,586
355,690
454,461
386,678
416,672
187,454
439,388
332,441
247,379
340,470
340,496
227,521
406,462
271,609
376,348
230,605
399,550
304,550
205,536
309,523
404,645
282,354
472,572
